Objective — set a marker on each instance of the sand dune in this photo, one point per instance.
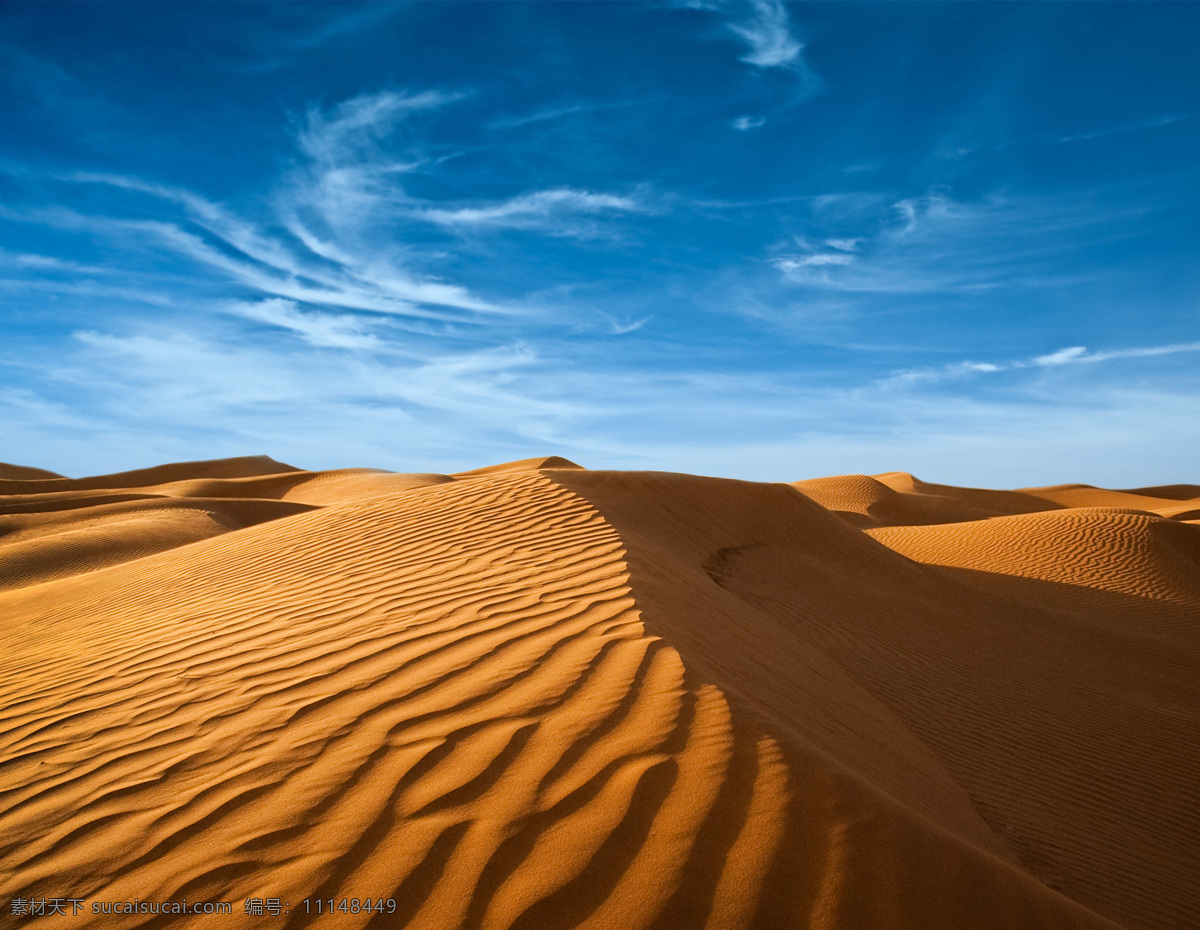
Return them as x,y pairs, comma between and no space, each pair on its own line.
36,547
24,473
899,499
537,696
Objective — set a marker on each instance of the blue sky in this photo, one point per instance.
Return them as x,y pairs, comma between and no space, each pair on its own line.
756,240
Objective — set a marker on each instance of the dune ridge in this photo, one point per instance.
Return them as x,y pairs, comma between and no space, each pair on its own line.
532,695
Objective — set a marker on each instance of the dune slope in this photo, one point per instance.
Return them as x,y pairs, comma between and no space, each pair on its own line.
537,696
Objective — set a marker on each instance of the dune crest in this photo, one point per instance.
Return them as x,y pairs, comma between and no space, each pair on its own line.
535,464
537,696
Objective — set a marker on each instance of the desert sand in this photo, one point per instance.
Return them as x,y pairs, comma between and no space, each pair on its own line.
538,696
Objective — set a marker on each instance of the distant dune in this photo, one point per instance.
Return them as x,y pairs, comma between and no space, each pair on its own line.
536,696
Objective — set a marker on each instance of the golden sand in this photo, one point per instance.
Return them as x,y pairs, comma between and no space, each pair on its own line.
536,696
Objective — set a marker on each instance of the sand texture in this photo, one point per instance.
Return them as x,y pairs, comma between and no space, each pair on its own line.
536,696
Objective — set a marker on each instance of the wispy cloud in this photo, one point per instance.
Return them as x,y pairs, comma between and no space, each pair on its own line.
218,369
936,244
746,123
382,292
1080,355
267,263
1072,355
55,288
350,193
221,383
349,130
550,114
353,156
547,210
914,376
320,296
233,231
327,247
621,328
541,116
816,260
48,263
1061,357
1123,128
324,330
767,32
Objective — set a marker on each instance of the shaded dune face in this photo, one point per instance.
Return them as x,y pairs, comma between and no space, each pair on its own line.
536,696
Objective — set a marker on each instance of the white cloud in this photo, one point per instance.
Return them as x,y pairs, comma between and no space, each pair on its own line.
538,210
925,211
797,262
182,375
27,260
322,248
909,377
746,123
332,238
1077,354
767,32
55,288
338,331
1147,352
349,129
1061,357
1069,356
232,230
619,328
934,244
43,263
347,295
360,283
220,380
